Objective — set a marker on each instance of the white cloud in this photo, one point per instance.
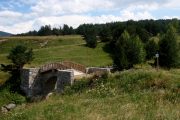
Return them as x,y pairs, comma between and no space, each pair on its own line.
77,20
60,7
174,4
143,7
72,20
10,14
127,15
9,17
171,17
75,12
17,28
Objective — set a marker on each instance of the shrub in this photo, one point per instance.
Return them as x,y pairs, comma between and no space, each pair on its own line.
19,56
7,97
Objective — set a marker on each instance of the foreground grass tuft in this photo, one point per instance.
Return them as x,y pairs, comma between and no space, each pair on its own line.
132,94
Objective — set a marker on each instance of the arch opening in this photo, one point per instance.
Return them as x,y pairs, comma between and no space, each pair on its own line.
50,85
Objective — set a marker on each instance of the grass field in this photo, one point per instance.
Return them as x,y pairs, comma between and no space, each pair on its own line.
134,94
53,48
139,93
56,49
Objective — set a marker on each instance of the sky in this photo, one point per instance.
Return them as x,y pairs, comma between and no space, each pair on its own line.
19,16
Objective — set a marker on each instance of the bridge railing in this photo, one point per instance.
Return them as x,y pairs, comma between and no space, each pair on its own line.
51,66
75,66
62,66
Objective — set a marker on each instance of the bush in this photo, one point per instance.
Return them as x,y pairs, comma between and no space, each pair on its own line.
19,56
84,84
7,97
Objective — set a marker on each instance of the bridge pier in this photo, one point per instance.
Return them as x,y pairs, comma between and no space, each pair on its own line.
35,83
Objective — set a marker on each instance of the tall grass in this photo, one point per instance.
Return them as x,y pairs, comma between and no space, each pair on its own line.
141,93
132,94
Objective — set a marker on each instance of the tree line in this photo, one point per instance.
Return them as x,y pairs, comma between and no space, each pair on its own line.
48,30
130,42
134,42
144,28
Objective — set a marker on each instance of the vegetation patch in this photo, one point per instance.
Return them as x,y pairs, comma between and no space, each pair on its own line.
131,94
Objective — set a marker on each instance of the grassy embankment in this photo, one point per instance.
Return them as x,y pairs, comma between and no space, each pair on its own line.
133,94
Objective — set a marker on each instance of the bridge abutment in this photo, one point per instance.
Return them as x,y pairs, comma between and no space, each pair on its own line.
34,83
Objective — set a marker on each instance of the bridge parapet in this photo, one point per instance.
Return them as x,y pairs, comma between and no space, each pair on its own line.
51,66
75,66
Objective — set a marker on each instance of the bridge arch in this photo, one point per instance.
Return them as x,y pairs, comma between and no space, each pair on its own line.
50,85
49,77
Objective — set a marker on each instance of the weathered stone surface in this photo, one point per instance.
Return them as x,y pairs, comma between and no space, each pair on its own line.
66,77
28,79
10,106
4,109
36,83
48,95
97,69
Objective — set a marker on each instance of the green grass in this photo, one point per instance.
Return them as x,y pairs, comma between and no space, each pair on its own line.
77,53
133,94
3,77
140,93
39,42
6,97
58,48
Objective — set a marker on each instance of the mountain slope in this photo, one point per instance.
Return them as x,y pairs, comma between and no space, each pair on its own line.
4,34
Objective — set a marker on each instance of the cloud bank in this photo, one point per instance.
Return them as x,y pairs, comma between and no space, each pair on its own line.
17,16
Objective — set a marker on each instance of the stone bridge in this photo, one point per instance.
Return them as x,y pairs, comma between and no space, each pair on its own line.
53,77
49,77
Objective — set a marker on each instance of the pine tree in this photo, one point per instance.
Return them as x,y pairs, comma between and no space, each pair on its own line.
135,51
120,57
128,51
168,49
90,37
151,49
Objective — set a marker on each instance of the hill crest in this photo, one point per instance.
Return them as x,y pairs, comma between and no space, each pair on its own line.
4,34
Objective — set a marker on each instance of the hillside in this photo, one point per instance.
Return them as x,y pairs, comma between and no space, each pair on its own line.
139,93
133,94
56,49
5,34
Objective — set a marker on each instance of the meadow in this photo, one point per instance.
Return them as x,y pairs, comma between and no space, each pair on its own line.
132,94
55,49
138,93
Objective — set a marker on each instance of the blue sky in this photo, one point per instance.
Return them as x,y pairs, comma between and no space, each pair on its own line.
18,16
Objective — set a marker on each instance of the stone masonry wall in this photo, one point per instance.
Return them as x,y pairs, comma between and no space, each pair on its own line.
65,77
28,78
33,82
97,69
